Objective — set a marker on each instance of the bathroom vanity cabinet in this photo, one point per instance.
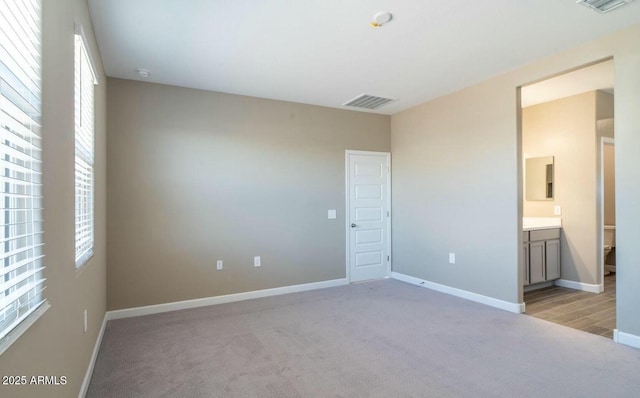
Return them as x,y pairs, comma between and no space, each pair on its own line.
541,255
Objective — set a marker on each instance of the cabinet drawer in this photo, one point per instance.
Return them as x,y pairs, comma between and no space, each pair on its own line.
525,236
544,234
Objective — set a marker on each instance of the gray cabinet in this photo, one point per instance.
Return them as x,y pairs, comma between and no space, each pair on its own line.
553,259
525,262
541,257
537,263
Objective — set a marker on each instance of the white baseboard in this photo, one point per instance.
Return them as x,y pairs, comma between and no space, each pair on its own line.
586,287
626,338
229,298
517,308
92,361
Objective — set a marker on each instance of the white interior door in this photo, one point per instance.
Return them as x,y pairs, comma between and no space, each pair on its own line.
368,218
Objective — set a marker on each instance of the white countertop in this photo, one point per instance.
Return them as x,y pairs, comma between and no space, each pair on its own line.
533,223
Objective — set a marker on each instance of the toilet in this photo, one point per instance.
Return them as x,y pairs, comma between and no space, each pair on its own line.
609,244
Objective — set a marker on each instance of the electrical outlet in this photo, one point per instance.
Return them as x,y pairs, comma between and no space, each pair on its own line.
256,261
452,258
219,265
557,210
85,321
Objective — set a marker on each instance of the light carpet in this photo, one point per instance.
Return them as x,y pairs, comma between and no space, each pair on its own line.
377,339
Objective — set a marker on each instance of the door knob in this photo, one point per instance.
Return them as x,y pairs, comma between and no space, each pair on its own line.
353,225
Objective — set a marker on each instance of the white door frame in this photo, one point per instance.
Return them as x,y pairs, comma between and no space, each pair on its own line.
347,216
603,141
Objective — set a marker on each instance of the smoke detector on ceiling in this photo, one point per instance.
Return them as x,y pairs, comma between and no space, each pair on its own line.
143,73
366,101
603,6
380,19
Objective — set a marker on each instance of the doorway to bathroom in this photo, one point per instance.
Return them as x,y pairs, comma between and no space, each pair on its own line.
607,195
568,197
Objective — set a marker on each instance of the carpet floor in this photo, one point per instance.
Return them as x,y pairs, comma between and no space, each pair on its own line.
378,339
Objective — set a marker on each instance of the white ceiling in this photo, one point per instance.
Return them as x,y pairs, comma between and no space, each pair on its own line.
324,52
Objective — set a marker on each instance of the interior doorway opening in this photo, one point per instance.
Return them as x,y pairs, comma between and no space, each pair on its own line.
567,188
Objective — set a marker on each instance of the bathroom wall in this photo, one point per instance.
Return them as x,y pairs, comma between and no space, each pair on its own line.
609,186
605,128
566,129
605,108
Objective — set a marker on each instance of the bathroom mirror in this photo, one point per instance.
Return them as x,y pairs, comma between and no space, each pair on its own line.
539,178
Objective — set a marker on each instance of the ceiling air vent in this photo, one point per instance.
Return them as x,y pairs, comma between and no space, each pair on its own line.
366,101
603,6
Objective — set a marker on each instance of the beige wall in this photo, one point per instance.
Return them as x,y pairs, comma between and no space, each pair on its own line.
453,186
605,107
627,95
198,176
566,130
605,128
56,345
458,179
609,186
606,175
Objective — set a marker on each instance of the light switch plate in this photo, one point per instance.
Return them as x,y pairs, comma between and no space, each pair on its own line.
331,215
219,265
452,258
557,210
256,261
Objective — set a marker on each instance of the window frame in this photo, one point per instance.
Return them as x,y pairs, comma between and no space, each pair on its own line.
23,68
83,155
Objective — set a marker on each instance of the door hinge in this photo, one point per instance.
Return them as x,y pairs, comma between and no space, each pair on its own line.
387,213
388,259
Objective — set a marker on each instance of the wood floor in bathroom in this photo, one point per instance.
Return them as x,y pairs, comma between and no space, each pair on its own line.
589,312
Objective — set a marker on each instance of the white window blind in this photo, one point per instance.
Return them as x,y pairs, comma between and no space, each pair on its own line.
84,131
21,258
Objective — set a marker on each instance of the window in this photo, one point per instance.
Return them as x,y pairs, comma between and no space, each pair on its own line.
84,132
21,258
